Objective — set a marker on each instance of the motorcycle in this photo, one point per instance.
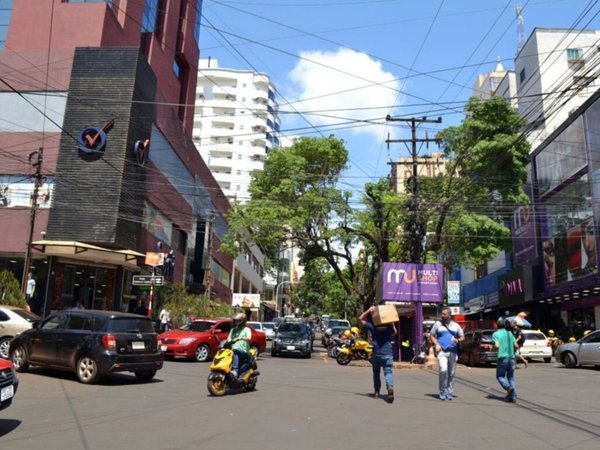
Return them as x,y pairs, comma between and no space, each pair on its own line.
357,348
333,345
221,379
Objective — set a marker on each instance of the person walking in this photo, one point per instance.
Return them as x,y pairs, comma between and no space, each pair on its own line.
383,356
520,339
505,342
30,290
446,336
165,318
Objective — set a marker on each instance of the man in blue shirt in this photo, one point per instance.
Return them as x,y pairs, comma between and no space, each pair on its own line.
383,357
446,336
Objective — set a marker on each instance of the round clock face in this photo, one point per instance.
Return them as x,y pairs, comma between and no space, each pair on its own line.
92,140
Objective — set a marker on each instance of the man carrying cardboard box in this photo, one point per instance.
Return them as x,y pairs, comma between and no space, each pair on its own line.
382,358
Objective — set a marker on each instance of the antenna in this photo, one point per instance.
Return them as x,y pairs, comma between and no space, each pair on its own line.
520,27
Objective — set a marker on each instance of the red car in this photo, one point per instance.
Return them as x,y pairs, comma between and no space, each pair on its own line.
199,339
8,383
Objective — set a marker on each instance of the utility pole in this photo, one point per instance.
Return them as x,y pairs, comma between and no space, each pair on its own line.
415,225
35,160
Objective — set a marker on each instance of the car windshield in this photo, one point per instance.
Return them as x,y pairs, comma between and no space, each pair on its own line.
28,316
534,337
199,325
268,325
290,327
254,325
338,323
130,325
486,335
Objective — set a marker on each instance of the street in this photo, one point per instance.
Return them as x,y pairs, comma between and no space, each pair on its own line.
304,404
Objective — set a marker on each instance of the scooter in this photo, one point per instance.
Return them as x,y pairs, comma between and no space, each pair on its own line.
354,349
221,379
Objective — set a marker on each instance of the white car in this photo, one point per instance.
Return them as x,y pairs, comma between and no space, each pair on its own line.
256,325
536,346
269,329
13,320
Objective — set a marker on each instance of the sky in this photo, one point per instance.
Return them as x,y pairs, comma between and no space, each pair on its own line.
341,66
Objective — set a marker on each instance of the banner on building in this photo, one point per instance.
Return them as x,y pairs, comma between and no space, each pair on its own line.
246,300
453,290
404,282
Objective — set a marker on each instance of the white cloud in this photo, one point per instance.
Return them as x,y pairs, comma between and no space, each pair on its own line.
344,86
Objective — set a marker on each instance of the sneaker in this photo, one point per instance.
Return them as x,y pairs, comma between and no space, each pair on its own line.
390,396
442,396
449,396
509,393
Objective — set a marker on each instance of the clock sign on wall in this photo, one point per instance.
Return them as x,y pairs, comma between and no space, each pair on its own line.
92,140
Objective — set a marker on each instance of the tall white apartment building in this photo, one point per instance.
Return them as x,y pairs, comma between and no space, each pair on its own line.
556,71
236,123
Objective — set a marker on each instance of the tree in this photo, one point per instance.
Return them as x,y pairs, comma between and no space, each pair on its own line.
10,292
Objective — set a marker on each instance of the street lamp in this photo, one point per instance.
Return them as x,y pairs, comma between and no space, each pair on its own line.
277,297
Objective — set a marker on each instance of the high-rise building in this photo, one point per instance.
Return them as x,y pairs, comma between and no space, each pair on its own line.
236,123
95,126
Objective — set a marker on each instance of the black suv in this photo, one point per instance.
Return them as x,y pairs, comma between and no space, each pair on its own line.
293,337
90,343
478,347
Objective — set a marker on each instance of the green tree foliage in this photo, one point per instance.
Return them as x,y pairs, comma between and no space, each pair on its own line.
10,292
182,305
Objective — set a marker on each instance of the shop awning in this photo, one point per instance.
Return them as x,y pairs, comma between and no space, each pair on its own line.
80,251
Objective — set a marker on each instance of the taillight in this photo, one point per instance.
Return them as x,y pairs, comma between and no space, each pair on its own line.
485,347
548,343
109,342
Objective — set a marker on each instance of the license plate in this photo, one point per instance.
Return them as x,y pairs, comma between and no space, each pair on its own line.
7,392
138,345
163,348
291,347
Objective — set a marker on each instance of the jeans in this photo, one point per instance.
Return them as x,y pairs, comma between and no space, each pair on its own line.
387,363
239,359
447,365
505,374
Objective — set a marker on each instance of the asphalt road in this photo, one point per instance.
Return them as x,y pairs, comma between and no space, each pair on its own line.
304,404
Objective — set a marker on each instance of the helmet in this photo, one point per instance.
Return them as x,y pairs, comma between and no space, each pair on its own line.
355,330
239,319
551,333
586,332
347,333
572,339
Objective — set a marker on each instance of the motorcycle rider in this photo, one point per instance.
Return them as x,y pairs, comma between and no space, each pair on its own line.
240,336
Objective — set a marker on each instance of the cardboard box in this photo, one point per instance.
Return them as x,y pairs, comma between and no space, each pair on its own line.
384,314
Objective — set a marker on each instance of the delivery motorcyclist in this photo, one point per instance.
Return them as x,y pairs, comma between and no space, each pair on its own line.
240,336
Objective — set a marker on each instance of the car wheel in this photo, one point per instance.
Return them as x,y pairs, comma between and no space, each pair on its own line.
87,370
202,353
547,360
20,358
145,375
568,359
4,345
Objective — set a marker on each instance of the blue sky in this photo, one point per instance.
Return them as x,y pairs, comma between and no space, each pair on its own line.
341,65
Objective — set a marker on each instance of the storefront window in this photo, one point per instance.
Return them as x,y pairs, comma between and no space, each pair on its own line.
85,287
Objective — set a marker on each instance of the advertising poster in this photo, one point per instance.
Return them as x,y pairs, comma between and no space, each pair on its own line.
246,300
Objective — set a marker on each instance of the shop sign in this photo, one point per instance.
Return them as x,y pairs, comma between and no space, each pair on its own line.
453,290
412,282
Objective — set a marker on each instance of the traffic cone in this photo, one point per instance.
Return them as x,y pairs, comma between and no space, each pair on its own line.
431,359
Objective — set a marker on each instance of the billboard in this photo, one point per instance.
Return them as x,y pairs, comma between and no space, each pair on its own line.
453,288
246,300
404,282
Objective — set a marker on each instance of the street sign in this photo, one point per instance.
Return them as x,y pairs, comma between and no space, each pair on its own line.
146,280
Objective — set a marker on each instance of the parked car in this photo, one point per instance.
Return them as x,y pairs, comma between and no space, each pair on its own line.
8,384
200,339
13,320
292,337
256,325
478,347
269,330
536,346
584,352
90,343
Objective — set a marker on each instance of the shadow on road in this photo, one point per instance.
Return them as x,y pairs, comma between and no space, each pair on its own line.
8,425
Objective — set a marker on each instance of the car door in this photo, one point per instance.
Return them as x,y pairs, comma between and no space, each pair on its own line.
75,331
43,342
589,349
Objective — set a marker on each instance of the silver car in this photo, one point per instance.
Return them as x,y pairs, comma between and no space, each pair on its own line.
584,352
13,320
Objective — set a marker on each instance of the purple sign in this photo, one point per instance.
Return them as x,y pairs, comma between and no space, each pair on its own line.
403,282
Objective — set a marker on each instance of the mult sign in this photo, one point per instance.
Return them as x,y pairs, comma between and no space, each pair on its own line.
146,280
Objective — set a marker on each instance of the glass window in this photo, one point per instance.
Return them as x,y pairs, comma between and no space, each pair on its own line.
4,317
78,322
199,326
150,15
130,325
522,76
574,54
197,20
5,11
53,323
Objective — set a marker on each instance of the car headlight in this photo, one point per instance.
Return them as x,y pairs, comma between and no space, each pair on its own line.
186,341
